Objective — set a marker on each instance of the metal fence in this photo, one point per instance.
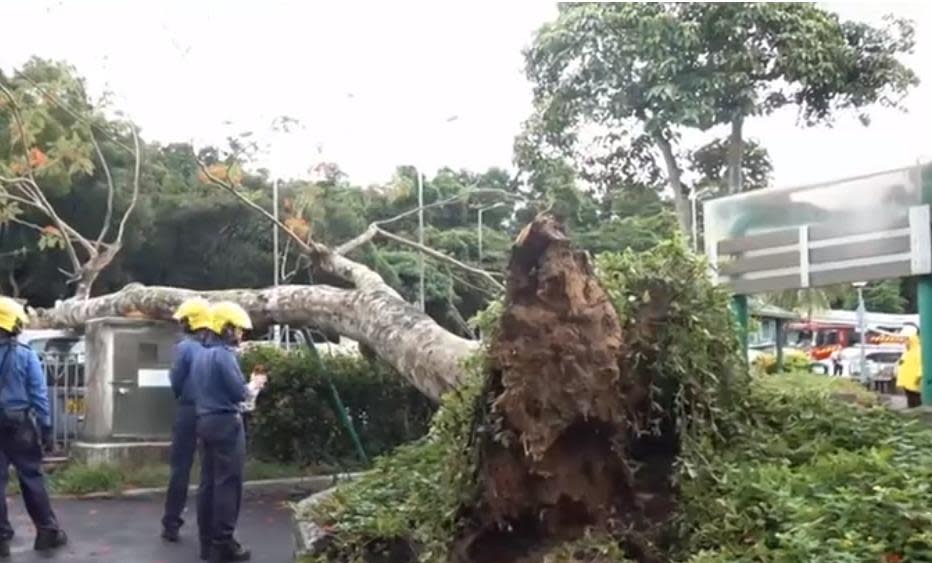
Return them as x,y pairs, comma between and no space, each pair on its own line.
67,387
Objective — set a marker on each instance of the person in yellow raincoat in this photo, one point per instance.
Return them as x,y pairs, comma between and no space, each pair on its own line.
909,373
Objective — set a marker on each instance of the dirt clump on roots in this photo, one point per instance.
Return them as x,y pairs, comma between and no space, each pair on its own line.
559,453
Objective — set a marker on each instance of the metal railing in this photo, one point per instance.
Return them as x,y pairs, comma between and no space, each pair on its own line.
67,388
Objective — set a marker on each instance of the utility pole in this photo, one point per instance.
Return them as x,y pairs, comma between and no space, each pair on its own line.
276,329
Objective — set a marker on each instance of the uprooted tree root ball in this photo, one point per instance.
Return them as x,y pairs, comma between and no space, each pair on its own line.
558,446
588,391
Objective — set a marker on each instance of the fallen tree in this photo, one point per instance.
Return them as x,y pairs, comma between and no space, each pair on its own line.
410,341
595,387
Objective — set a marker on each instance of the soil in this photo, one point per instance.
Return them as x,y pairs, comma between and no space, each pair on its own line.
563,456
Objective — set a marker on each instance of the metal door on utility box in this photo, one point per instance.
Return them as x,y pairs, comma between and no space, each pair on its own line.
143,404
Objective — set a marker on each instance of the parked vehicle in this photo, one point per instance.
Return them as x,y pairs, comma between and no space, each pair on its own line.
63,357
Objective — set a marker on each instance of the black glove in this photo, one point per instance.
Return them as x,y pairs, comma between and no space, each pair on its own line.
48,442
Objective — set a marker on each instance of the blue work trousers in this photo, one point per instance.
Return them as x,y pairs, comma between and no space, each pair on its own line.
21,447
223,460
184,446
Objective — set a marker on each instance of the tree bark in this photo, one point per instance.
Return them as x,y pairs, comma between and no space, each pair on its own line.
736,156
674,177
421,350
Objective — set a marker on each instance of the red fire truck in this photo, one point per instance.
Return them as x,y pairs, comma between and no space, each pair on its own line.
820,338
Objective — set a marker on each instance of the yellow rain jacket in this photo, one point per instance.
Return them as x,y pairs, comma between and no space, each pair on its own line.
909,374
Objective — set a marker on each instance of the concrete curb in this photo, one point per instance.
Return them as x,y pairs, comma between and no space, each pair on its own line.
311,483
311,539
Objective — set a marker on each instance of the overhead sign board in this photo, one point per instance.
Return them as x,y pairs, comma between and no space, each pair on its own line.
859,229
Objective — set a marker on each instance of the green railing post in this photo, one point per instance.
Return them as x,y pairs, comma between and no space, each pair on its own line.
779,336
739,306
925,336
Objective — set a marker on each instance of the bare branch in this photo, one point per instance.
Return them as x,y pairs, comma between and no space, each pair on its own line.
361,276
371,231
309,247
25,223
6,195
37,200
110,188
136,171
437,255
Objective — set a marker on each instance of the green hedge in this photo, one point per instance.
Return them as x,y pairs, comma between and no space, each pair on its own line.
295,420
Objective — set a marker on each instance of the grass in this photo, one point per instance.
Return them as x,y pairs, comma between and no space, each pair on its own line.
81,479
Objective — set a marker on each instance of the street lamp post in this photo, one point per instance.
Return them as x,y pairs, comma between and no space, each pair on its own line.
479,227
420,233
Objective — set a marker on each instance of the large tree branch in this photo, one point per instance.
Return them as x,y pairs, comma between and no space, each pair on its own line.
111,190
426,354
135,197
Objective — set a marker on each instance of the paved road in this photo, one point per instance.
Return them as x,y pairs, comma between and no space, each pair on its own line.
126,531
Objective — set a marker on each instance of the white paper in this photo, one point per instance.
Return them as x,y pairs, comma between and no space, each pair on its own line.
154,378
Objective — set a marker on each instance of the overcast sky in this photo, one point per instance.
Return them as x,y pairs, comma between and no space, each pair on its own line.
375,83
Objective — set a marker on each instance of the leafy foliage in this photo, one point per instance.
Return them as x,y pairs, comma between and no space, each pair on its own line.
414,496
622,80
816,478
793,362
296,420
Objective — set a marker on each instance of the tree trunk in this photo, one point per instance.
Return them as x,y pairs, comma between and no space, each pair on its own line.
91,270
674,177
421,350
736,156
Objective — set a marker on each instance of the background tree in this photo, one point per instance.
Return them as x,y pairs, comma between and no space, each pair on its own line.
49,150
638,74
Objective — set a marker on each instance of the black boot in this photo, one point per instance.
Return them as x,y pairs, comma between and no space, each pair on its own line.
50,539
205,550
4,549
230,550
171,535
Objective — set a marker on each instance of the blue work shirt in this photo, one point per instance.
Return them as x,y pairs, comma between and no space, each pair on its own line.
218,381
180,374
22,381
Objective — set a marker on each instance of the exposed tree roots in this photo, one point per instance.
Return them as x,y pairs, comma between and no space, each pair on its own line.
559,453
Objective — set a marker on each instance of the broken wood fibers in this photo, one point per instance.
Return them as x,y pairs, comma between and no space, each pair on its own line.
555,462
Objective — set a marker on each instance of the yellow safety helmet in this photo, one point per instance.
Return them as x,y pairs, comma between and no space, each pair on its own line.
229,313
11,314
196,311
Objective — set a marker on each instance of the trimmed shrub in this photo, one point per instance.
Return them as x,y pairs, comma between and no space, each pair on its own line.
296,418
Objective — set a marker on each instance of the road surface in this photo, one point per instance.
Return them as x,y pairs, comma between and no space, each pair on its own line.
127,531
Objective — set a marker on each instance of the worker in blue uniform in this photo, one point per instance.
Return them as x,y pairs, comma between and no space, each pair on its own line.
25,425
220,388
194,317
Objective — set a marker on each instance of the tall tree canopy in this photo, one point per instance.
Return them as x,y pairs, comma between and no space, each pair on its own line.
628,78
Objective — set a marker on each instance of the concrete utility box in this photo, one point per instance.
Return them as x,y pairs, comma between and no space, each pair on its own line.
129,403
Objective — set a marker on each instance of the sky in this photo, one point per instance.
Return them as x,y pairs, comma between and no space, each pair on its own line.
378,84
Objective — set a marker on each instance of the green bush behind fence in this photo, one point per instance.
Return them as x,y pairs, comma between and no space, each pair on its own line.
296,420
